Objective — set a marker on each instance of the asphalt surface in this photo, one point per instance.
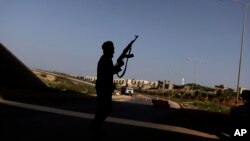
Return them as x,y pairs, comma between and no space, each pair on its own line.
45,115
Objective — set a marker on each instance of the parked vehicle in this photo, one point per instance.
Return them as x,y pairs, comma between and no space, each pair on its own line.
127,91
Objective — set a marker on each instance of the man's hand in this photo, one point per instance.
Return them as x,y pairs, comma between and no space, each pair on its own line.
120,63
117,69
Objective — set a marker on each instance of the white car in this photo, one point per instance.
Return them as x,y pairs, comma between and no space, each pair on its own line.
129,90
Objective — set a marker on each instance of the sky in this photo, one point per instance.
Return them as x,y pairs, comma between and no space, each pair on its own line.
198,40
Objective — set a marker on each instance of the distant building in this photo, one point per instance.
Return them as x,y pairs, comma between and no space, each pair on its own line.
242,89
128,82
169,85
90,78
182,81
136,83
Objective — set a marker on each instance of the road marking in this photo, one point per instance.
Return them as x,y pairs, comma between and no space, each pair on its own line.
110,119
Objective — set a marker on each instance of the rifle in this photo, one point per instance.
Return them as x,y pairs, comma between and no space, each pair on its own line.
125,54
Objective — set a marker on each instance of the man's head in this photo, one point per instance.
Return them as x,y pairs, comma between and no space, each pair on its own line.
108,48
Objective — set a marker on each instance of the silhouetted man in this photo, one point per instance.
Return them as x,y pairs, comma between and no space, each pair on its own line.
104,86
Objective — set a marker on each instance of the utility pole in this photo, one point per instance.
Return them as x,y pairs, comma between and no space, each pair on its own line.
245,5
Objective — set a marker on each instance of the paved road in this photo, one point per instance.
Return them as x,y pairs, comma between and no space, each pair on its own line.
56,74
28,116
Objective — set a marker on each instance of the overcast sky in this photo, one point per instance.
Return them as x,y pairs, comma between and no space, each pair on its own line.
174,35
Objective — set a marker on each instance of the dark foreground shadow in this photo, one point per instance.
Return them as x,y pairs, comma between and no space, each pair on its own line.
31,124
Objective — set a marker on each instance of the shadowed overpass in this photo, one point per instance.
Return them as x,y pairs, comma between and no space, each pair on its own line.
14,74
